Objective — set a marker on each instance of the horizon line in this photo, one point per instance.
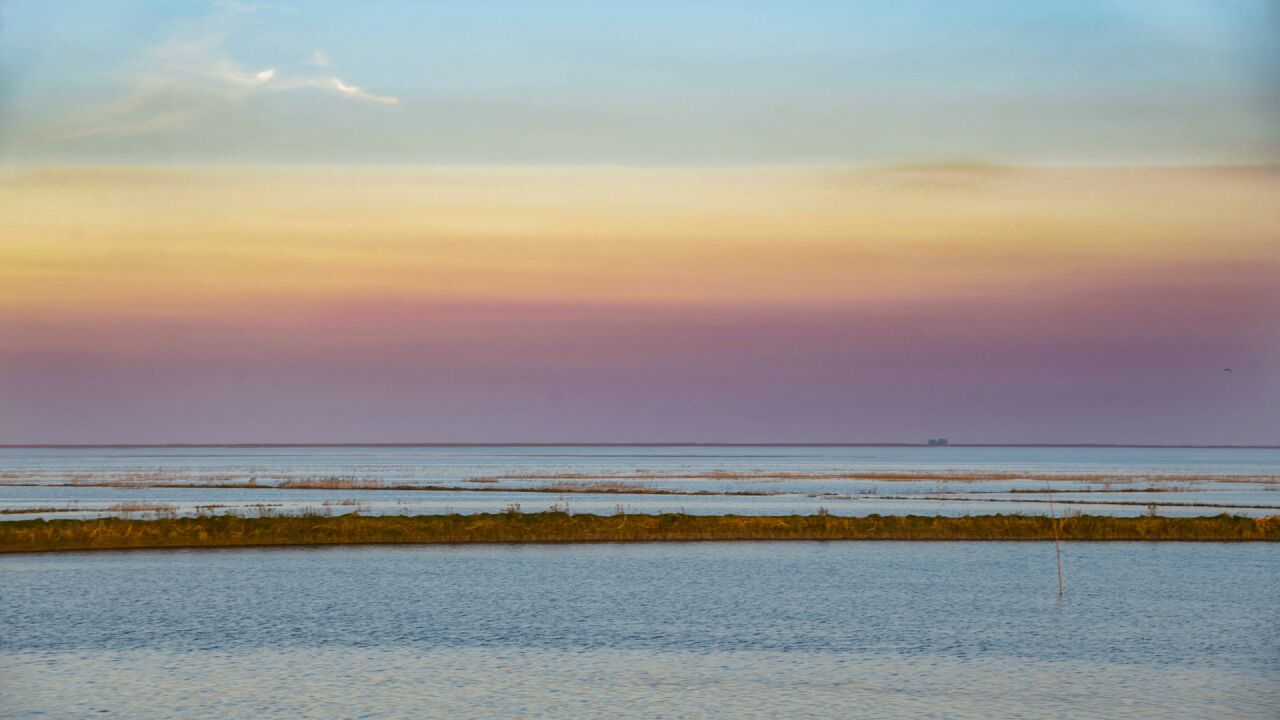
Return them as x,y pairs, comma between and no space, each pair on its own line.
250,445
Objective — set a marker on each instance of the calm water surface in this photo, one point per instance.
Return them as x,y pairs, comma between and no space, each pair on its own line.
660,630
443,463
515,471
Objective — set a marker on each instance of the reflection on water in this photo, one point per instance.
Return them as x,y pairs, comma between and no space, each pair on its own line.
744,480
715,629
83,502
523,682
458,463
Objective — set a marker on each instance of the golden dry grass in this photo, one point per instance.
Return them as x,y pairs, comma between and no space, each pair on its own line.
561,527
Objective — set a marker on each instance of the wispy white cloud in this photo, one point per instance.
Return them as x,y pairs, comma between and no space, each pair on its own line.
355,91
333,84
192,76
320,58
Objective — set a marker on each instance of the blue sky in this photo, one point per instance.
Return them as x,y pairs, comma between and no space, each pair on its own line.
666,83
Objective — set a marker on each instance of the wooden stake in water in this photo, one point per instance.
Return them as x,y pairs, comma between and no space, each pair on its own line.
1057,545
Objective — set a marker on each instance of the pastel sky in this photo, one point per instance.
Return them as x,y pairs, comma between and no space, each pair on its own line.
748,221
829,82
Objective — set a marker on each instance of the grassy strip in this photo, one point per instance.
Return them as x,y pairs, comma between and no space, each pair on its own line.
1104,478
600,488
1061,501
146,479
559,527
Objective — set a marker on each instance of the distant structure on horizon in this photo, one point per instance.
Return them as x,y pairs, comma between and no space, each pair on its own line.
937,441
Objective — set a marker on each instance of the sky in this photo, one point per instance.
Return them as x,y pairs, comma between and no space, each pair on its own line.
654,83
633,222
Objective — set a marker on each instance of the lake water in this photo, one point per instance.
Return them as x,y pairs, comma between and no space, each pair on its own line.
761,480
874,629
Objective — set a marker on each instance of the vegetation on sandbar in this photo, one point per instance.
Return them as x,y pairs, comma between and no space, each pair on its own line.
561,527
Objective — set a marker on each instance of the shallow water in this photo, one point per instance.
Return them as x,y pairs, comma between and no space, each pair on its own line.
87,502
450,464
711,629
665,468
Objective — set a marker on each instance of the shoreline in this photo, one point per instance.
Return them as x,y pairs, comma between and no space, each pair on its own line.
29,536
